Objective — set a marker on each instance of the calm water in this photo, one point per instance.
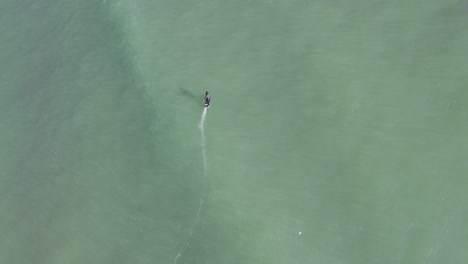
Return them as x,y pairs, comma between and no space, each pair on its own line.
337,131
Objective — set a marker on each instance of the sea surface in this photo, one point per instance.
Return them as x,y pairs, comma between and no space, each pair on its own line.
337,131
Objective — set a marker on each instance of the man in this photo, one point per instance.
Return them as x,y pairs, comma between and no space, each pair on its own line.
207,99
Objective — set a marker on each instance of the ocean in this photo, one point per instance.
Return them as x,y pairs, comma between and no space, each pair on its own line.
336,131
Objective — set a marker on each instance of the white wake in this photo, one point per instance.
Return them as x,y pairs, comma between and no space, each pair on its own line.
201,125
187,242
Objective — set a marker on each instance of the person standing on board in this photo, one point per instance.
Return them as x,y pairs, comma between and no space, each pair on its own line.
207,99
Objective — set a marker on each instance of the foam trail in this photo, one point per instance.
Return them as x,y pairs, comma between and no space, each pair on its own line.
201,125
187,242
202,130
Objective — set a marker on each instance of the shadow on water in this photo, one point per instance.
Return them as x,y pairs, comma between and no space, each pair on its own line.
196,99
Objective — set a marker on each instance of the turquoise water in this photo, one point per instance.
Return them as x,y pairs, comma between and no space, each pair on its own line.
336,132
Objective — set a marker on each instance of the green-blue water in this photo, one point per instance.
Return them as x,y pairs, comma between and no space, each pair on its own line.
336,134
